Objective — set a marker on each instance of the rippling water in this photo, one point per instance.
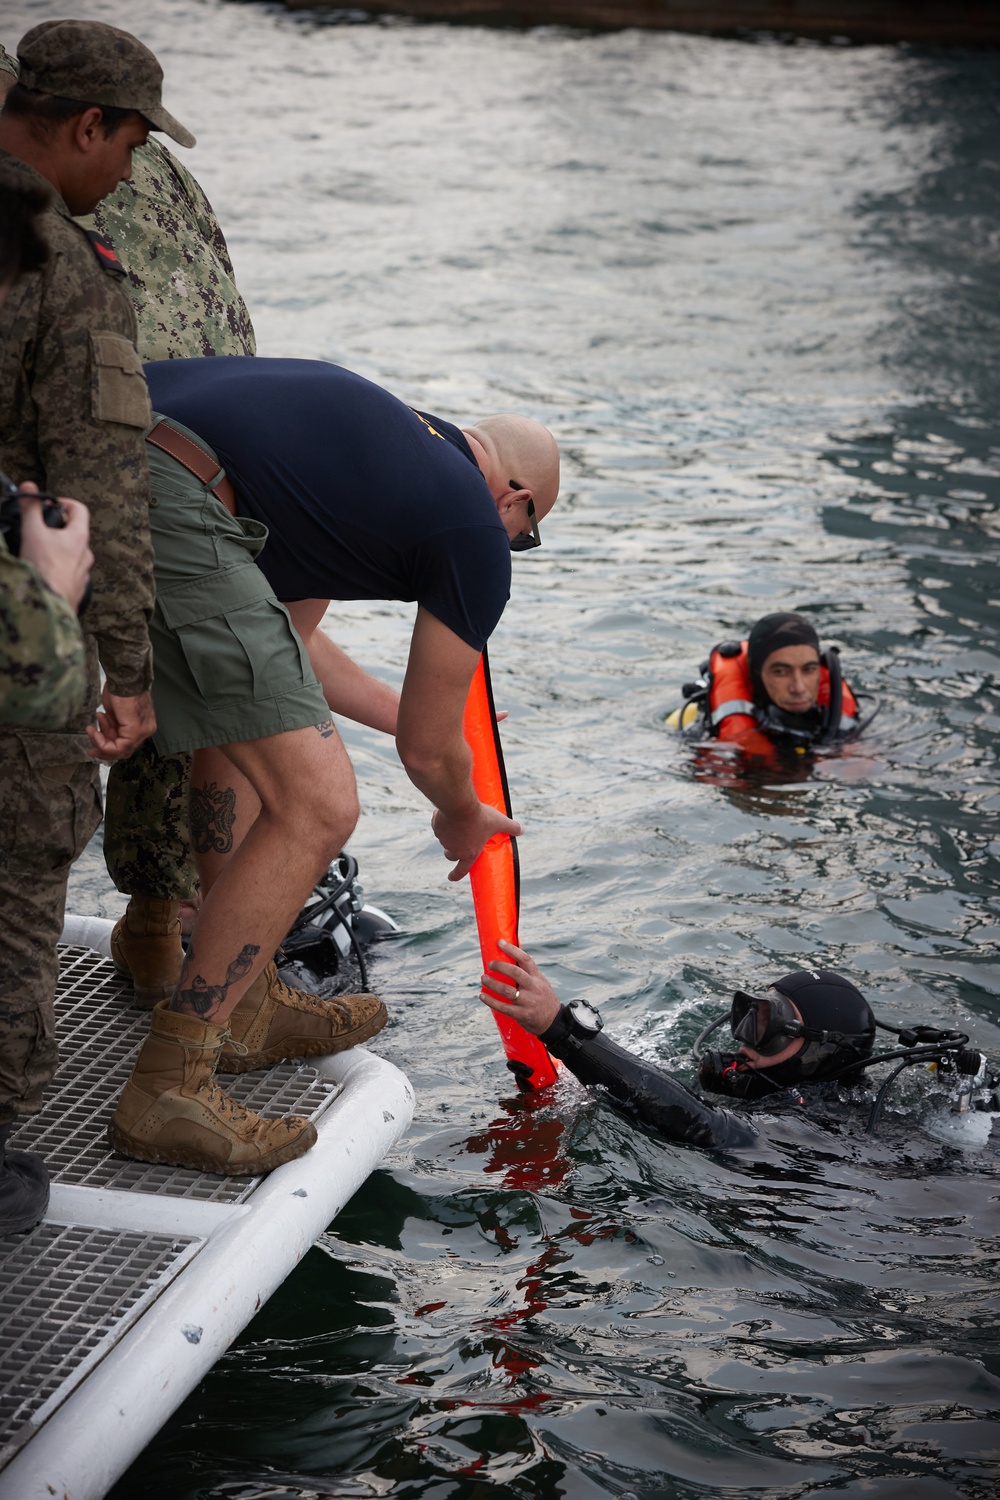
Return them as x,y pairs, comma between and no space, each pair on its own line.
753,288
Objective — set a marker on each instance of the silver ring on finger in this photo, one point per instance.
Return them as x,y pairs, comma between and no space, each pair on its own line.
517,994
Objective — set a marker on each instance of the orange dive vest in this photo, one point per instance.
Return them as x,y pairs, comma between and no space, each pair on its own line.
732,715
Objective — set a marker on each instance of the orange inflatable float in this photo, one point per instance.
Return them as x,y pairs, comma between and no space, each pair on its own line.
495,876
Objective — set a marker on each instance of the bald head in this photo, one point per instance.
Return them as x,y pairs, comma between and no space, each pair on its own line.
522,450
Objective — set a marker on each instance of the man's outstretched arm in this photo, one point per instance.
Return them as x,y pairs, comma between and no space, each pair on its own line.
347,688
432,746
516,987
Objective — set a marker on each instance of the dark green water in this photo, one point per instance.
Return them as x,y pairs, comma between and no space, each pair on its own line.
753,288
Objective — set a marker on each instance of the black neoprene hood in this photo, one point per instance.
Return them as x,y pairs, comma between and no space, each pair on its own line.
827,1003
774,633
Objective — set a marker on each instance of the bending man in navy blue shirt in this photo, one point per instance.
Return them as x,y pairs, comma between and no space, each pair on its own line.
362,498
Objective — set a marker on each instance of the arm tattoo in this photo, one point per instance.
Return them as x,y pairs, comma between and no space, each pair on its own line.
213,814
196,997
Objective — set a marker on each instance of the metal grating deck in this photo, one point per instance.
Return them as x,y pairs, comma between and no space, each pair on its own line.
115,1307
100,1033
63,1291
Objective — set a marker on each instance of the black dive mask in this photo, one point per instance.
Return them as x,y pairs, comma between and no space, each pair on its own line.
767,1023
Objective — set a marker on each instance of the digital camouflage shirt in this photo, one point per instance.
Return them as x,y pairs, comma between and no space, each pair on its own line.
180,275
43,683
73,409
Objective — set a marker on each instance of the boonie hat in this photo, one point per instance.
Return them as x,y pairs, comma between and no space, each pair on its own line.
97,64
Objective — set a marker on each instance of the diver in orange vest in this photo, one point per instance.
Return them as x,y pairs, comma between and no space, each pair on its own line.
775,687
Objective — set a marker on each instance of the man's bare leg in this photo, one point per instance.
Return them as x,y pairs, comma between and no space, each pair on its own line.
172,1110
224,807
265,867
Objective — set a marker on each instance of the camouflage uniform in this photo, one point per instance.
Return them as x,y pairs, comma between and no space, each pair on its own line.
73,408
42,679
187,304
180,275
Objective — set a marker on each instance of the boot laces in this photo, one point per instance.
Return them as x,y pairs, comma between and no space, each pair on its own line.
286,994
228,1107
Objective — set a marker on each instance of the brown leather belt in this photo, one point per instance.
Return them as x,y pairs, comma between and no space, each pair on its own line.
194,458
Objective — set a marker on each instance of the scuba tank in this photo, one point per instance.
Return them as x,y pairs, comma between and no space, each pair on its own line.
333,926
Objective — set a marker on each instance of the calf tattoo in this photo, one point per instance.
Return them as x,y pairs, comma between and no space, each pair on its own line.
213,814
196,996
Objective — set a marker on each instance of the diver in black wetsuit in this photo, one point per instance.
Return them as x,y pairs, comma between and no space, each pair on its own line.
810,1027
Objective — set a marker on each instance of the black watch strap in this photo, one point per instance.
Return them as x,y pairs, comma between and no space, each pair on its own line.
565,1032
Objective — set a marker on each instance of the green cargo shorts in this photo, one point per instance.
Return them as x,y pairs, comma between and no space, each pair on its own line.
228,665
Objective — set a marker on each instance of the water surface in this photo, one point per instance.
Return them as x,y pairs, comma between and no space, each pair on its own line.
753,288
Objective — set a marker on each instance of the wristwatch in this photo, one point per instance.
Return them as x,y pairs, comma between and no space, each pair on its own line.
584,1021
575,1024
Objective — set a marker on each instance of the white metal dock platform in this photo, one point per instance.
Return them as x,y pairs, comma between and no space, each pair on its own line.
140,1277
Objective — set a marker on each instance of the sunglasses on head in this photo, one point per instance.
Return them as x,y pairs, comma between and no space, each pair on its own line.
766,1023
524,542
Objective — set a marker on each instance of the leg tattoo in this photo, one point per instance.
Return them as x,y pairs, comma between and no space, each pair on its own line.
213,814
197,997
326,729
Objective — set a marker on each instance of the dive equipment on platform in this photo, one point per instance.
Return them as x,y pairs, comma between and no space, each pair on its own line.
333,925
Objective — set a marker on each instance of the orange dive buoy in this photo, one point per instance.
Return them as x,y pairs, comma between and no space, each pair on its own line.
495,876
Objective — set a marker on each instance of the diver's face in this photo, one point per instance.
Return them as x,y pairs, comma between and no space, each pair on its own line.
791,678
755,1059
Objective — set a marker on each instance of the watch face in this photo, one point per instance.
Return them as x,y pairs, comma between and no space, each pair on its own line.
585,1017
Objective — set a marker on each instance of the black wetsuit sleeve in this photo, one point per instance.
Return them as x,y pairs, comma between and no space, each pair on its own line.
644,1092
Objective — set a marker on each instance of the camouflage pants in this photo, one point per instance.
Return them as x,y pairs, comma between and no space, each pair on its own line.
147,846
50,805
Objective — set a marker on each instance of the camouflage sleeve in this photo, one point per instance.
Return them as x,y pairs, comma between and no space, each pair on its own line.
43,680
92,407
180,275
199,208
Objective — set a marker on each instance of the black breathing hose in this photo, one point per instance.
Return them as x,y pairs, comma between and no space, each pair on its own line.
328,903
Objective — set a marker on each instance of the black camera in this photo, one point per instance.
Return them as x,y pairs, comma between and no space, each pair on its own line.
10,514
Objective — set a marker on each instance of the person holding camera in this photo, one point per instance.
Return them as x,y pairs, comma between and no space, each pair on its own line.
43,582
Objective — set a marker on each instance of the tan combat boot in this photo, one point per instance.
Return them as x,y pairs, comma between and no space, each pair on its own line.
146,948
273,1022
172,1111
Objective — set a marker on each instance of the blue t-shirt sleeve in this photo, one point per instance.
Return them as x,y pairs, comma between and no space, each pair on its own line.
465,580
